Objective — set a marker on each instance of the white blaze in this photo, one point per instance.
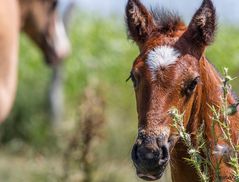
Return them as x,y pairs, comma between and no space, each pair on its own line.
61,41
161,56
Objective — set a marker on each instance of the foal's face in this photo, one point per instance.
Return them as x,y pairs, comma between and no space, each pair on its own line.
163,78
44,25
165,75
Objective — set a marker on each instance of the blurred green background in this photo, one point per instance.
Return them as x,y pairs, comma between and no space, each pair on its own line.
32,149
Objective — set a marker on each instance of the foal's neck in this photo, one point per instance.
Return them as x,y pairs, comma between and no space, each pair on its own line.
212,94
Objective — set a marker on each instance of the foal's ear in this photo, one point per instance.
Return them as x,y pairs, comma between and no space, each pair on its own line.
139,21
202,28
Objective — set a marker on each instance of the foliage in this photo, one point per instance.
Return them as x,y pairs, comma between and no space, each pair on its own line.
195,157
89,130
29,120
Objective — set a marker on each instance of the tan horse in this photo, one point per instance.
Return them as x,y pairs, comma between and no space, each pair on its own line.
172,71
38,18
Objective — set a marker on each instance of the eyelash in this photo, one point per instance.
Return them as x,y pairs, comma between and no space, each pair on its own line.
133,79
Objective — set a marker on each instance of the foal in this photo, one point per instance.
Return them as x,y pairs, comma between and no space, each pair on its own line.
172,71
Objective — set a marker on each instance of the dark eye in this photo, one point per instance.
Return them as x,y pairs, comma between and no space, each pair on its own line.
54,4
191,86
133,79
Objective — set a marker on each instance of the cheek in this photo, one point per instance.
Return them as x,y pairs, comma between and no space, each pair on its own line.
172,99
41,16
138,101
143,96
188,108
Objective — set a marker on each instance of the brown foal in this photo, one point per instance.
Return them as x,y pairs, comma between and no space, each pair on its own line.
172,71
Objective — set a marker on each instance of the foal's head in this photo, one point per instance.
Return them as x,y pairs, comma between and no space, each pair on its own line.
42,22
166,74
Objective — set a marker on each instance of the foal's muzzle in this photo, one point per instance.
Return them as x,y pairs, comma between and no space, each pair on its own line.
150,157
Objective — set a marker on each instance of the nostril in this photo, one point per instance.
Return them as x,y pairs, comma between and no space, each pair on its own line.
164,153
134,153
149,158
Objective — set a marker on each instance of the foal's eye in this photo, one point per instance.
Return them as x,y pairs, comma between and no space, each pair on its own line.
192,85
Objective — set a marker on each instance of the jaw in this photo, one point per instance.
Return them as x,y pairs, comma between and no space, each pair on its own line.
51,58
50,54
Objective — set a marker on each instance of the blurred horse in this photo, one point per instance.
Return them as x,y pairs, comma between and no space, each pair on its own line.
40,21
172,71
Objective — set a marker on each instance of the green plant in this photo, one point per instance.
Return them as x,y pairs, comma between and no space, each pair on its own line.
195,159
220,118
80,150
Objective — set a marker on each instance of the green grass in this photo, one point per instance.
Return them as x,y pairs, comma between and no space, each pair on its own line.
102,53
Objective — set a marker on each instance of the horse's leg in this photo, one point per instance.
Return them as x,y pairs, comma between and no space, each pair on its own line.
9,37
56,95
180,170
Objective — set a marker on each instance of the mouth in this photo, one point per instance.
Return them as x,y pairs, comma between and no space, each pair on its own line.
148,177
51,58
151,175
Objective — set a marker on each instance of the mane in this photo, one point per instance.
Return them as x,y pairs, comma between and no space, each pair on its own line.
166,21
234,94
